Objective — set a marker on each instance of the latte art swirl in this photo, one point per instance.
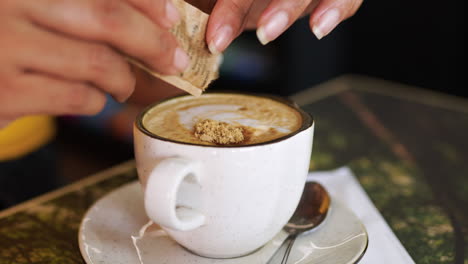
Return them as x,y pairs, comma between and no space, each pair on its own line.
263,119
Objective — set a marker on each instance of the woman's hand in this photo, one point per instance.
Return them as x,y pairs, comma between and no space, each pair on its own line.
63,56
272,17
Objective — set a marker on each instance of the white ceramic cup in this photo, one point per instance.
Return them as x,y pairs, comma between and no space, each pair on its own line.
222,201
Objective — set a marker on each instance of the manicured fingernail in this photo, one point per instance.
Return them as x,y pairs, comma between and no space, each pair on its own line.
172,14
326,23
221,39
220,60
181,59
273,28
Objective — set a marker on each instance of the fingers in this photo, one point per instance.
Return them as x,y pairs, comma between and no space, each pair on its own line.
277,17
280,14
76,60
39,94
329,13
226,22
162,12
116,23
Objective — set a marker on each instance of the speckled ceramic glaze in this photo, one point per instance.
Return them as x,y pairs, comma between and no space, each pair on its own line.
115,230
220,201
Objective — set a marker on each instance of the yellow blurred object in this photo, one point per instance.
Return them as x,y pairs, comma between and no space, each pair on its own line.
25,135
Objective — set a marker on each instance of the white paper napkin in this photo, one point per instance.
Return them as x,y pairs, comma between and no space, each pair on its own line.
384,247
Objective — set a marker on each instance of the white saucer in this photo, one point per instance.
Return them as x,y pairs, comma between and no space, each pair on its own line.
116,230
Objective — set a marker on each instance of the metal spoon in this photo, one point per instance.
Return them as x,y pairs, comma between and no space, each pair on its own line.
310,212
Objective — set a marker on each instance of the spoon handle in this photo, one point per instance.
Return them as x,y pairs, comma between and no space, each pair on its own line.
290,241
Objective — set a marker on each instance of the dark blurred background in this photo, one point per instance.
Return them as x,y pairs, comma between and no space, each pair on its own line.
420,43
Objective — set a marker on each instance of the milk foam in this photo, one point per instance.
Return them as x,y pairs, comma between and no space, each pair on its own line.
264,119
228,113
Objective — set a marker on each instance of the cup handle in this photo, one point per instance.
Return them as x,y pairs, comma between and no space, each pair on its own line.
161,195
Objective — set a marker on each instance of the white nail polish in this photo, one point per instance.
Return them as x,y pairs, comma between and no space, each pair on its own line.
220,60
326,23
181,59
172,14
262,36
221,39
273,27
212,48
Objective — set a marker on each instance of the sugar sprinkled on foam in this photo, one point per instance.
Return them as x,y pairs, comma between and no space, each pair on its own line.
218,132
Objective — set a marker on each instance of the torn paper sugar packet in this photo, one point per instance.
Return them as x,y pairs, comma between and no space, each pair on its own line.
190,34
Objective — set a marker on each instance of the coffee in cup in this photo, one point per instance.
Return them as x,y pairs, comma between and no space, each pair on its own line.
261,119
219,199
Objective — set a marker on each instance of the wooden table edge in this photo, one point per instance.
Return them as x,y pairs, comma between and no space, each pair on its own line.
93,179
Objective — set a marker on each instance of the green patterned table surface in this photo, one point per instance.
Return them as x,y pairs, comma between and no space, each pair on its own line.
407,146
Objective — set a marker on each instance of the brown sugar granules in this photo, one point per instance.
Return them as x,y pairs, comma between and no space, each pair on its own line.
218,132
